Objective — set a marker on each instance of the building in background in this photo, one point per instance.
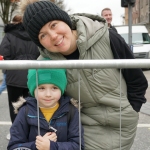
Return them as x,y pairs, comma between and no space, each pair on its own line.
140,13
135,12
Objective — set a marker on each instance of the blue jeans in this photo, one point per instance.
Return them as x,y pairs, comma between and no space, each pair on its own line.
3,85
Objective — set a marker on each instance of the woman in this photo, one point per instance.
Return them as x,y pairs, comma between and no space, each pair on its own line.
16,45
82,37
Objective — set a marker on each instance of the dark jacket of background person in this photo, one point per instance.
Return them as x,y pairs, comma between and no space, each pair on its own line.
67,130
16,45
134,77
113,28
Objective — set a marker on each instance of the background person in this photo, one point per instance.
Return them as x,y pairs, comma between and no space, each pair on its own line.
54,109
3,84
86,37
107,14
16,45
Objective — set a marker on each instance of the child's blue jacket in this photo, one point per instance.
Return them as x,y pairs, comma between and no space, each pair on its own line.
25,127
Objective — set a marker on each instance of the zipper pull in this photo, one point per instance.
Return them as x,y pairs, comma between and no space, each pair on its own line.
50,127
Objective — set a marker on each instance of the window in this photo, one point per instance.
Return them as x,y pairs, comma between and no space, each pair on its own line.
138,38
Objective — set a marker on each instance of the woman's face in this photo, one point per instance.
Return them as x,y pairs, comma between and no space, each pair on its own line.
56,36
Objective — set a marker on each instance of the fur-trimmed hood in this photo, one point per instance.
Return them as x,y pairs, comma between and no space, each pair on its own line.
21,101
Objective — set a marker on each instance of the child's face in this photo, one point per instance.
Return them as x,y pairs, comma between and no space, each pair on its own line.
56,36
48,95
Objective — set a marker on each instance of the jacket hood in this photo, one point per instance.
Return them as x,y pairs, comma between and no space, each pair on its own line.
10,27
17,30
22,101
90,29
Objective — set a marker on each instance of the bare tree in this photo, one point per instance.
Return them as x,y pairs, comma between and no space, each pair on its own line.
7,7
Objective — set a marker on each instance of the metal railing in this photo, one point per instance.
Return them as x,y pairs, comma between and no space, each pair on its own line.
75,64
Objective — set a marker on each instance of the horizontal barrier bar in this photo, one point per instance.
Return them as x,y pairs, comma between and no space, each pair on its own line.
75,64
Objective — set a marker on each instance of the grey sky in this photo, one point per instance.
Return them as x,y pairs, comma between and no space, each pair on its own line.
95,7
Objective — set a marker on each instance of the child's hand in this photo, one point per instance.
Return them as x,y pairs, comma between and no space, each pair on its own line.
51,136
42,143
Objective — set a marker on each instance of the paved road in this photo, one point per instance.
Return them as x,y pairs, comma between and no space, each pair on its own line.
142,140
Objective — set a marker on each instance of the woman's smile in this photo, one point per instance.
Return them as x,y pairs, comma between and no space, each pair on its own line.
59,43
56,36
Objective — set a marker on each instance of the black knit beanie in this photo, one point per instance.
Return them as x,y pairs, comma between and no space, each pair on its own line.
38,14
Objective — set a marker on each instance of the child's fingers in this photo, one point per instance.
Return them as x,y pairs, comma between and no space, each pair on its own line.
39,138
53,137
39,142
47,134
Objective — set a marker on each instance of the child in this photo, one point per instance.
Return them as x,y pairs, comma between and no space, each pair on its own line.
56,132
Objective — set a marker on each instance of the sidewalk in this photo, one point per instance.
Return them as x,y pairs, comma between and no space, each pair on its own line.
145,108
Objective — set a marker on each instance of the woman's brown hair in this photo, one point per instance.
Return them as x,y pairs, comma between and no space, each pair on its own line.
17,19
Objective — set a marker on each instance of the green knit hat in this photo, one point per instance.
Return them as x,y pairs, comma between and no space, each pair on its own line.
47,76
